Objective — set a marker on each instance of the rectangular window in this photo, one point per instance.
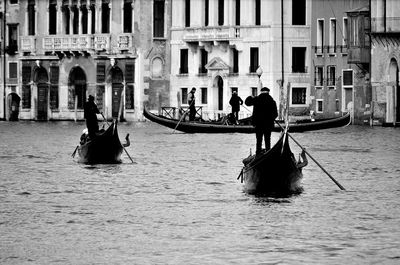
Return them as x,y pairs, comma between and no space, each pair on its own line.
298,12
319,76
26,96
31,18
203,95
184,61
128,15
235,68
84,19
221,12
159,18
53,97
54,74
253,59
184,93
320,105
206,12
187,13
26,74
203,61
258,12
237,13
130,72
331,73
93,11
254,91
332,36
105,16
299,60
347,77
299,95
75,19
101,73
337,106
345,29
320,35
13,37
13,70
53,17
100,90
129,97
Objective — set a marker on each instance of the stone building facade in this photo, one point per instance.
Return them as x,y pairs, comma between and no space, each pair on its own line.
60,51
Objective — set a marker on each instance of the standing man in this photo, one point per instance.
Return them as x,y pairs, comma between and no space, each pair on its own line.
191,102
235,102
264,115
90,111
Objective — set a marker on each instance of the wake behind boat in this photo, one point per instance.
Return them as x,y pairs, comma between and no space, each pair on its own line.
244,125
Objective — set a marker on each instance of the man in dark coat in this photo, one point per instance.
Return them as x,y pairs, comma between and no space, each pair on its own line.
264,115
235,102
90,111
192,103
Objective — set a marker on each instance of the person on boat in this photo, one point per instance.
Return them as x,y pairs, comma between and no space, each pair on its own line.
264,115
192,101
90,111
235,102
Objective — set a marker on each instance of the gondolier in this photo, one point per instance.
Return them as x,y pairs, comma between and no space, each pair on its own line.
192,102
264,115
235,102
90,111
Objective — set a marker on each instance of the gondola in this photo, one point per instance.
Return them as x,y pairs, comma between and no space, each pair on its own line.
105,148
243,126
275,171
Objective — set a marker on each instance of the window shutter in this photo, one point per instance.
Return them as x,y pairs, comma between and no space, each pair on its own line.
130,73
101,73
26,74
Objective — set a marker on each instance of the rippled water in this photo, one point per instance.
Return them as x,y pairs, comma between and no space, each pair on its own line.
180,202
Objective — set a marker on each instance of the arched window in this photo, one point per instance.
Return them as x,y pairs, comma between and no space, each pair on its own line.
76,88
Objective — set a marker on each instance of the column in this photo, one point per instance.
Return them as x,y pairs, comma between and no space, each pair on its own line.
89,28
60,20
133,16
71,21
226,12
80,19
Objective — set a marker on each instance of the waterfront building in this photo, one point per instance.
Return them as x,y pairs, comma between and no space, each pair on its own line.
218,45
339,67
57,52
385,60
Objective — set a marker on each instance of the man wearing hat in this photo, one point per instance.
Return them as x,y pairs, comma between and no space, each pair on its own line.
264,115
192,101
235,102
90,111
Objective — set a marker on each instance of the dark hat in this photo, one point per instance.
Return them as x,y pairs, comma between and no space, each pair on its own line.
249,101
265,89
90,97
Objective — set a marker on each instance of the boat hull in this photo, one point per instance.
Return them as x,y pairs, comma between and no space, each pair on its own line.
106,148
275,171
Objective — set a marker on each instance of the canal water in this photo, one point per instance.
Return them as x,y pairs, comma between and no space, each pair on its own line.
180,201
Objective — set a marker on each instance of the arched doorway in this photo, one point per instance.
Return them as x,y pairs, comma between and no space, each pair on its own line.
77,85
117,79
394,96
218,92
42,81
13,106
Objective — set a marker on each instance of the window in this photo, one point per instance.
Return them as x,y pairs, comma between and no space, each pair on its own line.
184,61
53,17
84,18
298,12
320,105
237,12
66,18
93,11
75,19
235,54
331,74
101,73
100,90
203,95
184,94
206,12
31,18
319,76
299,95
254,91
187,13
332,36
203,61
258,12
158,18
347,77
299,60
337,105
320,36
13,37
129,97
13,70
130,72
105,16
128,15
253,59
26,96
54,77
221,12
345,25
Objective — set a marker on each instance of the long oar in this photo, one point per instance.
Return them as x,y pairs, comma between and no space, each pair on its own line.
104,118
183,116
73,154
316,162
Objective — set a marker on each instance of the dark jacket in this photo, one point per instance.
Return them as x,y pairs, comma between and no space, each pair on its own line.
264,111
235,102
90,110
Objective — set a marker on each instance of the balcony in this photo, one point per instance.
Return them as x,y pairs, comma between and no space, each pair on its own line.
125,42
98,42
28,44
211,34
358,55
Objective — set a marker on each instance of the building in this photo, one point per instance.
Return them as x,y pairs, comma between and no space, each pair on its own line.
339,69
60,51
385,59
218,45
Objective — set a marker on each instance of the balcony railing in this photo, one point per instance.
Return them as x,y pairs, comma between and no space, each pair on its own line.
211,34
28,44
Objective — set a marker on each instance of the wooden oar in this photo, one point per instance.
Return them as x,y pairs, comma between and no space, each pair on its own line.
104,118
316,162
183,116
73,154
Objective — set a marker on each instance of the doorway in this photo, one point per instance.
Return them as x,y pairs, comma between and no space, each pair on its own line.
13,106
219,89
395,97
42,79
117,87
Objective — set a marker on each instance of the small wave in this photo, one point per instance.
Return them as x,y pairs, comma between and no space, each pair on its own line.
24,193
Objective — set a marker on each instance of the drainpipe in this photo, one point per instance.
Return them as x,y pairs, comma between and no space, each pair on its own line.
4,59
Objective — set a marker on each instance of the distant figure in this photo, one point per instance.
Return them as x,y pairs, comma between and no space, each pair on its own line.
235,102
90,115
264,115
192,101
